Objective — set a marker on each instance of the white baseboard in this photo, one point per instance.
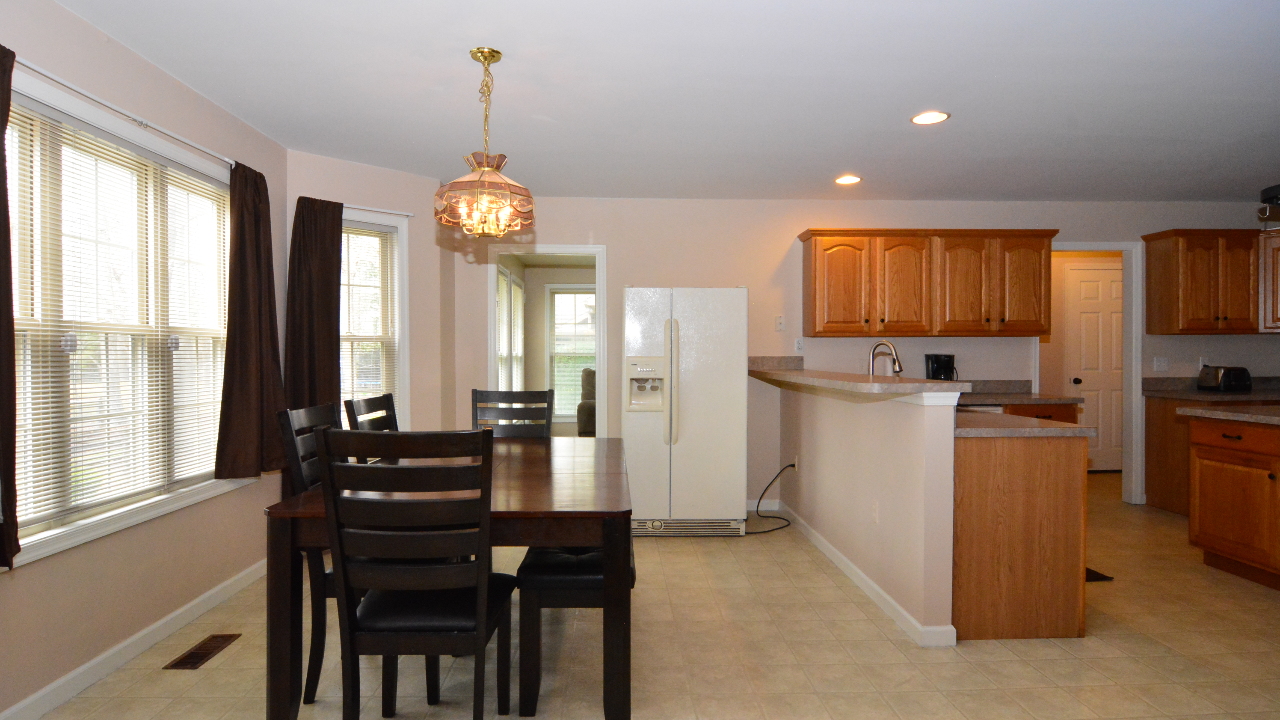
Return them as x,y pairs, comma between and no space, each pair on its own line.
923,635
766,505
69,685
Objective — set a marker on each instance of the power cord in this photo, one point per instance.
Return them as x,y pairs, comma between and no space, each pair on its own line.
786,522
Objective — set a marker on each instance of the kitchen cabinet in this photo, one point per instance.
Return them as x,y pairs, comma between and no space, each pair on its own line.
1202,282
1235,499
926,282
1065,412
1269,283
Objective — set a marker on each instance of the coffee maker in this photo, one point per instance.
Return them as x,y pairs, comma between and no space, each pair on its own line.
940,367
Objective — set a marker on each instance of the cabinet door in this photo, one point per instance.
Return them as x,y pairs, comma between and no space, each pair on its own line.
963,286
1233,504
1238,284
1066,413
903,286
1198,309
1022,286
841,291
1270,281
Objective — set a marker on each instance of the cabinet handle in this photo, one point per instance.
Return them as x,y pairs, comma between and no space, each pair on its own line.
1001,319
1232,437
1044,417
881,319
1271,476
1076,381
867,320
1216,318
988,319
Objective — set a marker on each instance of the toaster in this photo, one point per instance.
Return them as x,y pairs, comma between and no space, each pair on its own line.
1216,378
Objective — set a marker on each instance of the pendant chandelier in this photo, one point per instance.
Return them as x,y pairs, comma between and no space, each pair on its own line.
484,202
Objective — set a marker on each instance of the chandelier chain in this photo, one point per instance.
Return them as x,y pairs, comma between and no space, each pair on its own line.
486,90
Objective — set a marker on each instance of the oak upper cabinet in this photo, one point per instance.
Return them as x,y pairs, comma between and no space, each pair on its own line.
1202,282
1021,285
904,281
837,283
963,285
1269,282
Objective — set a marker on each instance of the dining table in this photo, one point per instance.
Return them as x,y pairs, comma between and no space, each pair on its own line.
547,492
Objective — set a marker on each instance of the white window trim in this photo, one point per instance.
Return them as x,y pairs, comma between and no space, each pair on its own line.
550,326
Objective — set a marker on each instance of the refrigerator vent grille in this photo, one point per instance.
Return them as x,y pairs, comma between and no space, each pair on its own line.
686,528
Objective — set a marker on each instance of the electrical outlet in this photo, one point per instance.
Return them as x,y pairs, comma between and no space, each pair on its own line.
777,323
799,344
875,511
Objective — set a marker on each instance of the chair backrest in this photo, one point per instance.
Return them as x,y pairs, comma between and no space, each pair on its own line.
419,525
485,412
298,430
372,413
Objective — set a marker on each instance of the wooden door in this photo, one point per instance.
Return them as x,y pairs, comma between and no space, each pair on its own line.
1021,285
1238,283
963,286
1094,355
903,286
1269,285
1198,309
838,285
1233,504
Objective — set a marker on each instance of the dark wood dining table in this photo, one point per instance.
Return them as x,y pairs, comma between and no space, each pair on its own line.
547,492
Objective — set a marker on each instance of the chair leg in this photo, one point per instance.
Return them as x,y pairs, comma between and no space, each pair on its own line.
477,711
350,685
433,679
390,674
504,661
530,651
319,619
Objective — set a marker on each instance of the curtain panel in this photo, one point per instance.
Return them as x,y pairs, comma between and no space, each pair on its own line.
8,383
312,364
252,390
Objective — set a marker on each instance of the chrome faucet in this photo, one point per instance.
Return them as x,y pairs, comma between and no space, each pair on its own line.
871,357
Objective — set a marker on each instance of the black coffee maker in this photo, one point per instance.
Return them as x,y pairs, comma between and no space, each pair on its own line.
940,367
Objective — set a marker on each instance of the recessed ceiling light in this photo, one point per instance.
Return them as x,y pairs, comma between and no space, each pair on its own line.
932,117
848,179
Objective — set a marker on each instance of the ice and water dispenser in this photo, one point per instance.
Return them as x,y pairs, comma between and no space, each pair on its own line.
646,384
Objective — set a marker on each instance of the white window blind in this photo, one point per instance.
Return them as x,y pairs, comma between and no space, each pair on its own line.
573,345
119,270
368,306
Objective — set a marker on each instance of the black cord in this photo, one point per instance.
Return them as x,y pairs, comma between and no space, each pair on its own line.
771,517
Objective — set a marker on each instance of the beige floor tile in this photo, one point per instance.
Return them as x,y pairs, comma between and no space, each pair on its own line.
728,707
838,679
852,630
1234,697
793,707
1127,671
1175,699
922,706
863,706
987,705
902,677
1070,673
1051,704
1037,649
815,653
168,683
1013,674
129,709
984,650
955,676
874,652
1089,647
1111,701
115,683
1183,669
201,709
75,709
771,679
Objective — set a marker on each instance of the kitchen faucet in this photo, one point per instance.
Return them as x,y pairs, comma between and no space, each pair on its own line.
871,358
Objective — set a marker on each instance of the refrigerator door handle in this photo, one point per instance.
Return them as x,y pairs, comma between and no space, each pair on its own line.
666,386
674,383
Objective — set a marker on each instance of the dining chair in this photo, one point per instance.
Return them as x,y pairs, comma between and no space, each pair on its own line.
486,412
363,413
298,430
397,532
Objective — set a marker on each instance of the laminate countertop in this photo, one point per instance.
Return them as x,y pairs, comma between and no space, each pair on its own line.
974,398
861,384
1265,389
971,424
1265,414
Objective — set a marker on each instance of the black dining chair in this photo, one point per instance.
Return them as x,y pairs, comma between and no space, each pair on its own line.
372,413
487,411
397,533
298,430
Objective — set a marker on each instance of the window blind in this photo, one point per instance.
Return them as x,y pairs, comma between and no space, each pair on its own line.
573,346
368,313
119,270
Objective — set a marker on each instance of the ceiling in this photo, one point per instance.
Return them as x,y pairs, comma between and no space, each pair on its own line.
1082,100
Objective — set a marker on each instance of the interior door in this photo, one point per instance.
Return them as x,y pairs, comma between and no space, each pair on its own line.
1095,355
1238,284
709,422
903,286
963,286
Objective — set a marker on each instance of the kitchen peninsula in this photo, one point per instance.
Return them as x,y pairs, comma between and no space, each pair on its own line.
880,471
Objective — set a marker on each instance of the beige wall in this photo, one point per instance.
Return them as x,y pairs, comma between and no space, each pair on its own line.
536,280
66,609
356,184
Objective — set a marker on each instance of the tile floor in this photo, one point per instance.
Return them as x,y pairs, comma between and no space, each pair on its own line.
765,628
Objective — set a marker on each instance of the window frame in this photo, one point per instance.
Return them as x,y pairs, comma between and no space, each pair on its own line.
512,282
551,290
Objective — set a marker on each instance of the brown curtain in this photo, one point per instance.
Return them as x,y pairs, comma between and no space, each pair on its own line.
252,391
8,384
311,347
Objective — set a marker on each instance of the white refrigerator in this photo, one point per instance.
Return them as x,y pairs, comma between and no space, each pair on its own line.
684,409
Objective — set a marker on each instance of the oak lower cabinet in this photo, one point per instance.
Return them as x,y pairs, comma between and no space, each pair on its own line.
903,283
1202,282
1235,496
1061,412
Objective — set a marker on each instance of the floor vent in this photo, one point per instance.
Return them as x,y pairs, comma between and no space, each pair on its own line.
200,654
686,528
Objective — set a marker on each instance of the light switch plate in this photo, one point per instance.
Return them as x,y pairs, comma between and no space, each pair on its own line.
777,323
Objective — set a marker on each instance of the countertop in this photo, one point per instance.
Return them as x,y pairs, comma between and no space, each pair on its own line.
973,398
993,425
1265,389
1265,414
864,384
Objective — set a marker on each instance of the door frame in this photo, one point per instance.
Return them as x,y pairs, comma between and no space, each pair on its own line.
602,315
1133,463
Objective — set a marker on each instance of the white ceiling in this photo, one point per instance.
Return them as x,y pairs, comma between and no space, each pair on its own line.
1110,100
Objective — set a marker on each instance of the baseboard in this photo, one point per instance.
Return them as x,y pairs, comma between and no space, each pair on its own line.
923,635
766,505
69,685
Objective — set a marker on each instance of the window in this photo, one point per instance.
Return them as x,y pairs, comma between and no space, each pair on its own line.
510,330
119,270
368,323
573,345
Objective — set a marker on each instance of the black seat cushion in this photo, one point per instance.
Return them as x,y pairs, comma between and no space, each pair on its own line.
431,610
565,568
